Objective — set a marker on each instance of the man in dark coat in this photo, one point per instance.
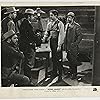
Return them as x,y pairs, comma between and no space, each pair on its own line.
11,60
8,22
28,41
73,38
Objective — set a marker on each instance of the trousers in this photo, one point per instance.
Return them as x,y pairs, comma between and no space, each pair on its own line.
29,61
72,59
56,57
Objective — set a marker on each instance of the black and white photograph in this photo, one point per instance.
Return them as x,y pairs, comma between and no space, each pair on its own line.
49,46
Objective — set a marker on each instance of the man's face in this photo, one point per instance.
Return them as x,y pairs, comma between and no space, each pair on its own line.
30,17
15,39
14,14
52,16
70,19
35,16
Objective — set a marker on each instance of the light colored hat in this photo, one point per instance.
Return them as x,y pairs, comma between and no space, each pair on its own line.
38,10
8,34
71,14
29,11
10,10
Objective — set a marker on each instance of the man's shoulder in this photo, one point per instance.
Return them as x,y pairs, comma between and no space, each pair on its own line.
60,22
24,22
6,45
49,23
77,24
6,19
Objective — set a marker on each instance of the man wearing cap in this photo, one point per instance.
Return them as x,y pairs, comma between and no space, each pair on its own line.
8,22
10,61
28,41
55,33
72,40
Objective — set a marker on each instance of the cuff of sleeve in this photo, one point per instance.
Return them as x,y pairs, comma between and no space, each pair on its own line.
59,45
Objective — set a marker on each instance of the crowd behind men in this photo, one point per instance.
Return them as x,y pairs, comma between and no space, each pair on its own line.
19,43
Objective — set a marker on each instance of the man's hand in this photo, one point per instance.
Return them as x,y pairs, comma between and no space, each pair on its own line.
22,55
59,48
37,47
43,40
17,67
30,43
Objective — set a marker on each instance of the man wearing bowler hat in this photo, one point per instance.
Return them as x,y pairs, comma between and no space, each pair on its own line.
28,41
8,22
72,40
10,61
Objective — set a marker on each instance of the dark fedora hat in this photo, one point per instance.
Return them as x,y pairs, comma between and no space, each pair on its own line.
7,35
10,10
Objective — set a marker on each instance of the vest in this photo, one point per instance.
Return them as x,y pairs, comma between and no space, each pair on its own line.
54,32
4,24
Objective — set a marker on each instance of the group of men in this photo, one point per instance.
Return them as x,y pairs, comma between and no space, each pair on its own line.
12,48
70,35
18,55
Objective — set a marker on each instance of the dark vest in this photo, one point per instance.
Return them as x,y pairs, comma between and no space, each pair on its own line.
4,24
54,32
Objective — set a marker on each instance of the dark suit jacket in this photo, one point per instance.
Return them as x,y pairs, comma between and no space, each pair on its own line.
73,37
27,35
7,24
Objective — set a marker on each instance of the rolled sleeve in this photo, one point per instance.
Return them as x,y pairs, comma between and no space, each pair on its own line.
61,34
47,29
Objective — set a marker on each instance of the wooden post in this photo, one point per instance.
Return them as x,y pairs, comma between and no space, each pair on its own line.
96,67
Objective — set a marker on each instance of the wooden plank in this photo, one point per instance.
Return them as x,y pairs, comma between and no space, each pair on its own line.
96,68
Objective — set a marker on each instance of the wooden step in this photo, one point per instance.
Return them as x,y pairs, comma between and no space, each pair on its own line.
37,74
38,69
88,36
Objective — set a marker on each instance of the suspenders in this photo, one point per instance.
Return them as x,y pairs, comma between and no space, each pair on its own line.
54,30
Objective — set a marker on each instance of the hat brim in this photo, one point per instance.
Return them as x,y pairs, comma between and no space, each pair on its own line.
29,13
7,35
11,11
42,12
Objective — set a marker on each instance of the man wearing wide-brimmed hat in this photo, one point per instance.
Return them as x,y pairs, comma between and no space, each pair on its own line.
11,57
8,23
28,40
